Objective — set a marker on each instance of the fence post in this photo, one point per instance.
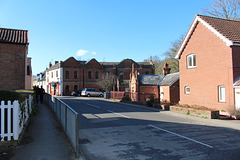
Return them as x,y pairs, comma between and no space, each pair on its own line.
2,120
15,120
9,120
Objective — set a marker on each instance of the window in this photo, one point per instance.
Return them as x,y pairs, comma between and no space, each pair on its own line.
52,74
147,72
28,70
96,75
75,88
107,73
56,73
90,75
75,74
67,89
121,76
187,90
221,93
191,61
67,75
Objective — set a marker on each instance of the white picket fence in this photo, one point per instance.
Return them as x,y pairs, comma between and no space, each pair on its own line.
13,118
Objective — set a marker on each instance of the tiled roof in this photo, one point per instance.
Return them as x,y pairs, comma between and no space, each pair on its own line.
237,82
169,79
56,66
228,28
13,36
149,80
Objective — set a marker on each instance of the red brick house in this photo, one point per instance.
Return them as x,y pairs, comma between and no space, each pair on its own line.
13,59
164,87
77,75
209,63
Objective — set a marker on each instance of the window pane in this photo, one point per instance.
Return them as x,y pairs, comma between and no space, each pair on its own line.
194,60
89,75
221,90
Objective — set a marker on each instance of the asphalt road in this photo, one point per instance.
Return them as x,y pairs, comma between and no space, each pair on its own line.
116,131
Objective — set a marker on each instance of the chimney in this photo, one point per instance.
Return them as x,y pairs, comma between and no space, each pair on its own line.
56,62
151,60
49,65
166,70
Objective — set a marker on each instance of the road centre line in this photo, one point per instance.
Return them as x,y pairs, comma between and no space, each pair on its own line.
93,105
119,114
180,136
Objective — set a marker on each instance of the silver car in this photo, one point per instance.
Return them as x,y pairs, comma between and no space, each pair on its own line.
91,92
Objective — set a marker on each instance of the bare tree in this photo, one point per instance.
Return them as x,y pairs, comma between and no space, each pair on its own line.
106,81
171,53
158,63
227,9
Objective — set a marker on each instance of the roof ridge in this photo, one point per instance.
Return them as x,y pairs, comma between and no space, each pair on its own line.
14,29
218,18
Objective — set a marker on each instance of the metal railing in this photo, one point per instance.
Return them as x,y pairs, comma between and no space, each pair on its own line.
68,119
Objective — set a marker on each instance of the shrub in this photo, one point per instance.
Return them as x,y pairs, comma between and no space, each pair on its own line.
150,101
234,112
11,95
126,98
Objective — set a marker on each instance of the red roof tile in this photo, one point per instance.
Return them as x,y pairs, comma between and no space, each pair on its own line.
13,36
228,28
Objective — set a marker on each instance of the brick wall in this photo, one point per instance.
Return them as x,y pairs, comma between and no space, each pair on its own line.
12,66
174,93
236,61
146,91
83,80
213,68
166,94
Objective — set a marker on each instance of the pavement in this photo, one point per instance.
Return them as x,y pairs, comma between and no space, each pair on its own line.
44,139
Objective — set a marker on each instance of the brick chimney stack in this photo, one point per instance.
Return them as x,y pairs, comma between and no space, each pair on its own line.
150,60
49,65
166,70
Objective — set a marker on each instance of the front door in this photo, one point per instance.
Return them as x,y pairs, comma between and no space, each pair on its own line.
161,94
237,98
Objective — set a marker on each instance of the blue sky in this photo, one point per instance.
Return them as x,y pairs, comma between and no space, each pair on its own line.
108,30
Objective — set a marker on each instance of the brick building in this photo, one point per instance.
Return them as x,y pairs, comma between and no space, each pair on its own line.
15,70
209,64
77,75
164,87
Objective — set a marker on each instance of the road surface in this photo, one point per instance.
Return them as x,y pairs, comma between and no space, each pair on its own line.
112,130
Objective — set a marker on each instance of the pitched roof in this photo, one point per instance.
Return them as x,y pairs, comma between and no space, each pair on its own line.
169,79
227,30
13,36
149,79
237,82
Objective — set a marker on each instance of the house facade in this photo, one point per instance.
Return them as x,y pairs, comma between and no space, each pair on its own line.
14,67
72,75
209,63
164,88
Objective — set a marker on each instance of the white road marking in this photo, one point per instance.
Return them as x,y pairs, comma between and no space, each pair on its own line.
180,136
119,114
93,105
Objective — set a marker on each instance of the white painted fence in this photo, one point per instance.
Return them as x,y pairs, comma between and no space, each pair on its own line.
13,118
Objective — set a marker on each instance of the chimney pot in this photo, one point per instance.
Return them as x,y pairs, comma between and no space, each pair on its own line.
166,70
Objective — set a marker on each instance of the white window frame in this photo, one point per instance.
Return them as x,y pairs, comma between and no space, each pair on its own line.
187,89
221,94
190,64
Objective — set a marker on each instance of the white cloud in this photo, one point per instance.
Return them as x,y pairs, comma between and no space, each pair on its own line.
94,53
81,52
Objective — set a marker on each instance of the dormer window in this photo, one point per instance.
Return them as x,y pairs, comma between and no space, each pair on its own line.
191,61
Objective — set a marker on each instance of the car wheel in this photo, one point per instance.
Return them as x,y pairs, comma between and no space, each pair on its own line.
100,95
89,95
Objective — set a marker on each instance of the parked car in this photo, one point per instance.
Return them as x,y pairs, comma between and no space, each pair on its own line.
76,93
91,92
